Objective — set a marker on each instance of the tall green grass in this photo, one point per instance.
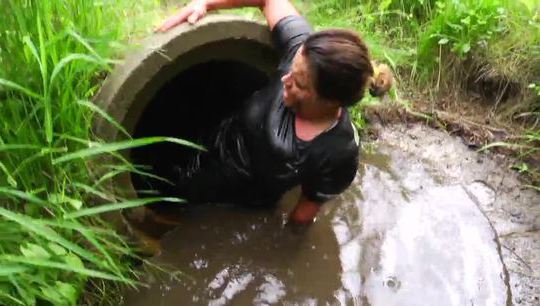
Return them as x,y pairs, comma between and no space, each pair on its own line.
53,55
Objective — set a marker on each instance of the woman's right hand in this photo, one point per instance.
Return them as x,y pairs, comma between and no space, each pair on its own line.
191,13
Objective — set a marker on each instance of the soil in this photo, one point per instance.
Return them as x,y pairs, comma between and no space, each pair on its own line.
473,120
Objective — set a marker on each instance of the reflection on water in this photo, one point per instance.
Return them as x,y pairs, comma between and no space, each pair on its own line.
398,236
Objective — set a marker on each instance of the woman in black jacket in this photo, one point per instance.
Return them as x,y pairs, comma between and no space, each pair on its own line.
294,131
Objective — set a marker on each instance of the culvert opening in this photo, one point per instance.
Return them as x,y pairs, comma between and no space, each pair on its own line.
190,106
180,84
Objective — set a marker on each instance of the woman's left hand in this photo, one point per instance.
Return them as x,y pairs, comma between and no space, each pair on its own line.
191,13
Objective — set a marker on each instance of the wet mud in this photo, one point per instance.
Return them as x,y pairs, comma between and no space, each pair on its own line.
427,221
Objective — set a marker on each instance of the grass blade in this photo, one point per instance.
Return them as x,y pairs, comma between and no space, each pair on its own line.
117,206
12,269
106,116
83,42
123,145
10,179
68,59
30,44
91,190
62,266
7,147
17,87
22,195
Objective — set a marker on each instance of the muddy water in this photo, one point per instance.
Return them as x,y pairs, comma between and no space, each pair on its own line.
403,234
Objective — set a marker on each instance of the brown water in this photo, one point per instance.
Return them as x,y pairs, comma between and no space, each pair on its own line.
402,234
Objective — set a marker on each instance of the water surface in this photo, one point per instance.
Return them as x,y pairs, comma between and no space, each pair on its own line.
400,235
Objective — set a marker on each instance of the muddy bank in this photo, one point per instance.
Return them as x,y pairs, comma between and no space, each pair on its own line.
426,222
512,210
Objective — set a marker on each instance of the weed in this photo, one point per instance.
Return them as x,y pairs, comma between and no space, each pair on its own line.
53,242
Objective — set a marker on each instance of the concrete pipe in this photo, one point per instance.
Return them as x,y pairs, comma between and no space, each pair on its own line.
181,84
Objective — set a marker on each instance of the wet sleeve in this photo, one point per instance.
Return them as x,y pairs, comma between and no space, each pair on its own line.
288,35
328,172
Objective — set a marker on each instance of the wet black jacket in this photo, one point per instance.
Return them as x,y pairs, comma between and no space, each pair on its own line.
261,143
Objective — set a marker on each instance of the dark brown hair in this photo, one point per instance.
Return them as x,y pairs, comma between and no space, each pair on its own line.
340,65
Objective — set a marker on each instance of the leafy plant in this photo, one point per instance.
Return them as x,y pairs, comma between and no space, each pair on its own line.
462,26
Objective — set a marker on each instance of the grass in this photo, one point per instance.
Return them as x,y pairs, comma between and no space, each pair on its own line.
54,54
450,48
53,239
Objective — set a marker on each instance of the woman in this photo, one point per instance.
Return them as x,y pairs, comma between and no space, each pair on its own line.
294,131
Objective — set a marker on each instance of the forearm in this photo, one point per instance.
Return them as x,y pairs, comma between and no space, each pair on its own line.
226,4
273,10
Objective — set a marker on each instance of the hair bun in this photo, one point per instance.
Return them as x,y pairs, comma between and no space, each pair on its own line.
381,81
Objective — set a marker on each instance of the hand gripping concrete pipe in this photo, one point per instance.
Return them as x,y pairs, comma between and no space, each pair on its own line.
181,84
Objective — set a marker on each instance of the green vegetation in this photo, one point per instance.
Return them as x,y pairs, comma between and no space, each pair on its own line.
423,39
53,56
466,50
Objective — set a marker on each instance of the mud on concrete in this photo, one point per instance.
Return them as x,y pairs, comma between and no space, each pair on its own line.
512,210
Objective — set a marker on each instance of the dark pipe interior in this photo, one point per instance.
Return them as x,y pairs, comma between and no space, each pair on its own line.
189,106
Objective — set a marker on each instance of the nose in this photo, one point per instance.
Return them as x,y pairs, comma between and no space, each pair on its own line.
286,79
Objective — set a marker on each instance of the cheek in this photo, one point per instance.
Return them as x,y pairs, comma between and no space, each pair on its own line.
289,96
294,94
304,95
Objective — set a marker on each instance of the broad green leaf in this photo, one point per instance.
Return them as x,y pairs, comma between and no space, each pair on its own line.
53,296
32,250
56,249
74,261
49,234
68,291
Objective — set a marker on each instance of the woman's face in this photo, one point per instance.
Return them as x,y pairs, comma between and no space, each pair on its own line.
298,84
